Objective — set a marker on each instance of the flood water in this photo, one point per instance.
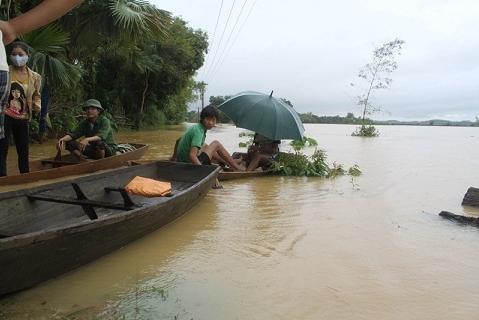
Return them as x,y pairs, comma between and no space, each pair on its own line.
297,248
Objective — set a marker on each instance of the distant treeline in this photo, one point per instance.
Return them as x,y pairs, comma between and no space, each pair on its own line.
309,117
434,122
351,119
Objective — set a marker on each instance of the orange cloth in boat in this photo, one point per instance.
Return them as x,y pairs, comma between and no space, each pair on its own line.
148,187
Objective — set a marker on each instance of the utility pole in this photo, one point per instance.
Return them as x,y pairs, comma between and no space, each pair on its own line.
201,88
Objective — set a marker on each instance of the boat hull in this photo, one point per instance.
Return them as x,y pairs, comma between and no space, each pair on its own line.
29,259
41,171
233,175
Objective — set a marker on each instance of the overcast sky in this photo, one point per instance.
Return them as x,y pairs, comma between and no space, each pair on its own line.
309,51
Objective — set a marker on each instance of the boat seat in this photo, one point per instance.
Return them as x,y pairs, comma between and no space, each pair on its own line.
124,194
87,204
58,162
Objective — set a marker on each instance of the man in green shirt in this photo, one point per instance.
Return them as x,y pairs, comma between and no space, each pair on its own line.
188,148
97,135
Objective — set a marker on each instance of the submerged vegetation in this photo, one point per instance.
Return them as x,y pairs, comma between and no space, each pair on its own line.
366,131
316,165
247,143
299,144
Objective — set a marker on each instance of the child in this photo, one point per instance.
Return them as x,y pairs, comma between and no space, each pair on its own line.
193,140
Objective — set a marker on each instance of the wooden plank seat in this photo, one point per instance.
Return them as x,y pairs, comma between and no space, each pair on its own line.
59,162
87,204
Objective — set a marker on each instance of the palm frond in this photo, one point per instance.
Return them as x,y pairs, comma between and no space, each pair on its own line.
60,72
48,57
50,39
140,17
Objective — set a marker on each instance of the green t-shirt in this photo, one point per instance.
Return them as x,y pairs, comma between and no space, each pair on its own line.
193,137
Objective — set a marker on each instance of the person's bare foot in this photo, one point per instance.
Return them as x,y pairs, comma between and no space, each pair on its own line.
241,167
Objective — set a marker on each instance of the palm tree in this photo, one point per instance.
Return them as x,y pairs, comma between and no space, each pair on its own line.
115,28
98,22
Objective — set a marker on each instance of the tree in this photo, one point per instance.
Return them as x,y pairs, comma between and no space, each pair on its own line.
132,56
216,101
158,56
375,75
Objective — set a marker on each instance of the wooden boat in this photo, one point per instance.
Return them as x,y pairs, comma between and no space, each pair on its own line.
51,169
51,229
222,175
231,175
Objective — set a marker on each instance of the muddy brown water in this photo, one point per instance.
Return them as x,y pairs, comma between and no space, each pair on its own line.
296,248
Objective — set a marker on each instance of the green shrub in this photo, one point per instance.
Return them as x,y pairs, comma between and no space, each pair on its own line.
366,131
298,164
247,143
152,118
64,121
306,142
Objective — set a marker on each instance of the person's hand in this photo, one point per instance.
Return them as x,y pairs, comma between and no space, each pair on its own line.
8,32
83,144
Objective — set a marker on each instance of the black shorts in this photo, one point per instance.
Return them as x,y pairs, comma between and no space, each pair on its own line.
204,159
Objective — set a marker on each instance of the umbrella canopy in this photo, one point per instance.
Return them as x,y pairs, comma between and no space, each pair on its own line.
264,114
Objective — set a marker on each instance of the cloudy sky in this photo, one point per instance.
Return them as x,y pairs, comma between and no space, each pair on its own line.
309,51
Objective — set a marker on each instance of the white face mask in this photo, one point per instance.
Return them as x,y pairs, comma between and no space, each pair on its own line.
19,61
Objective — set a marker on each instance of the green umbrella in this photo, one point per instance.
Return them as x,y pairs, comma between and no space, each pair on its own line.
264,114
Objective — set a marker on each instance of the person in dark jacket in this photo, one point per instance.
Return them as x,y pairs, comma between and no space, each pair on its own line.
97,135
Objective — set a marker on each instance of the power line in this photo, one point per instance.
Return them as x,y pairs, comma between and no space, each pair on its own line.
221,38
214,33
234,41
220,57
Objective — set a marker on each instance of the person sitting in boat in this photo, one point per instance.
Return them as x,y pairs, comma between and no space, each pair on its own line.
191,147
260,154
97,142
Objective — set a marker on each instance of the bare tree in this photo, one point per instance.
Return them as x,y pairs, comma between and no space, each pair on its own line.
375,74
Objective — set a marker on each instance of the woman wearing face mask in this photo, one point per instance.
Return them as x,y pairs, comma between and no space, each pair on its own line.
22,80
44,13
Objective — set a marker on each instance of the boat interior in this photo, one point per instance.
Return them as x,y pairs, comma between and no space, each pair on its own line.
90,198
66,159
